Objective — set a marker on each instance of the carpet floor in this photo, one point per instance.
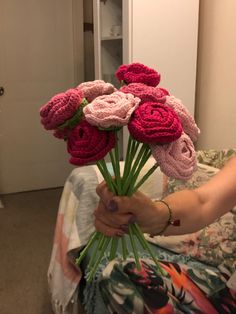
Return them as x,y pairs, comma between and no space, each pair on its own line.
27,224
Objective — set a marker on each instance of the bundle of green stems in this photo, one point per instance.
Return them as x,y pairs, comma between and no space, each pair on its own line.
136,157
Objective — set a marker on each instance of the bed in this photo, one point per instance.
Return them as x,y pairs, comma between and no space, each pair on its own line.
205,259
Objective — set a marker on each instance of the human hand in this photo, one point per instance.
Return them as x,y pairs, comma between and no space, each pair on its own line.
114,213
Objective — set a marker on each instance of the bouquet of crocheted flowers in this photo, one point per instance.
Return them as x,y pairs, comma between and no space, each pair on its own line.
88,118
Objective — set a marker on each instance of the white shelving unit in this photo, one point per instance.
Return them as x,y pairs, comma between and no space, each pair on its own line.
108,44
161,34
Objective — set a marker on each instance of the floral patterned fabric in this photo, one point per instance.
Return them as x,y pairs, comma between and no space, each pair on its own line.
181,289
216,243
196,265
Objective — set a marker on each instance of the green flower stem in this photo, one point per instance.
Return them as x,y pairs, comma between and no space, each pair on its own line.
133,169
94,255
136,230
129,159
92,240
144,178
95,266
133,244
128,152
114,245
142,162
124,248
106,175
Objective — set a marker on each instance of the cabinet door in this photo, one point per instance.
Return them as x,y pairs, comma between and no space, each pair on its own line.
163,34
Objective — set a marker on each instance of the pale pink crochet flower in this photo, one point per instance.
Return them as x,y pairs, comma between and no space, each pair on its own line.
93,89
187,121
60,108
145,93
112,110
176,159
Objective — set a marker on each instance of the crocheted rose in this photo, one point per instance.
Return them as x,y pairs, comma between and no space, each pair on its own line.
187,121
138,73
60,108
112,110
86,143
177,159
95,88
145,93
61,134
154,123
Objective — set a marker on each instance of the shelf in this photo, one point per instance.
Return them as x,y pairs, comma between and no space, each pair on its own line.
111,37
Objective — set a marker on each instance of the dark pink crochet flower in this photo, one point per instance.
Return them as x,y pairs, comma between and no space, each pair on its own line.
86,143
154,123
177,159
145,93
187,121
138,73
60,108
61,134
93,89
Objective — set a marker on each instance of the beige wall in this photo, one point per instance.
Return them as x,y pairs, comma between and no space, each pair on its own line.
216,79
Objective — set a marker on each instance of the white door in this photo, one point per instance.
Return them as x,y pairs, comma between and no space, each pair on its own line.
39,57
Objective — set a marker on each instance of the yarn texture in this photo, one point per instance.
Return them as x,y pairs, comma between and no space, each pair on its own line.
60,108
138,73
187,121
146,93
86,143
154,123
93,89
111,110
177,159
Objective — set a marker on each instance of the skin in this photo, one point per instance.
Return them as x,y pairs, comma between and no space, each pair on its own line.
195,208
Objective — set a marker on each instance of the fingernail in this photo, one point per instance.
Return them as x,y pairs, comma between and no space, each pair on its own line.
120,233
112,206
132,220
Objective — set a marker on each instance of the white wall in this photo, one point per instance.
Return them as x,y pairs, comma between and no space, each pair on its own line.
216,79
164,37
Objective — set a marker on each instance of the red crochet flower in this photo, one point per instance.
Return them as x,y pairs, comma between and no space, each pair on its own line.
86,143
145,93
60,108
138,73
154,123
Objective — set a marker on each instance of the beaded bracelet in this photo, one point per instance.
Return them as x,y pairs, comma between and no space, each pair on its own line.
170,221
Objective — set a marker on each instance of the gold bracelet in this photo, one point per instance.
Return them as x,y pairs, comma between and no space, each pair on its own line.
170,221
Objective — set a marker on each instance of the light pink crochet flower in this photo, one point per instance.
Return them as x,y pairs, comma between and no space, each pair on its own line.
93,89
176,159
112,110
60,108
187,121
145,93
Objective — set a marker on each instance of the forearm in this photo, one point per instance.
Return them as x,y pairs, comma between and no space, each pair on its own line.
202,206
188,207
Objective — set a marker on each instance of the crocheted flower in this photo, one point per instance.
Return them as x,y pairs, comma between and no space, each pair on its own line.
61,134
145,93
86,143
93,89
187,121
112,110
138,73
177,159
154,123
60,108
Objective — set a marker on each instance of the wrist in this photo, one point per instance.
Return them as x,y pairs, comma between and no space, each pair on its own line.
166,217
